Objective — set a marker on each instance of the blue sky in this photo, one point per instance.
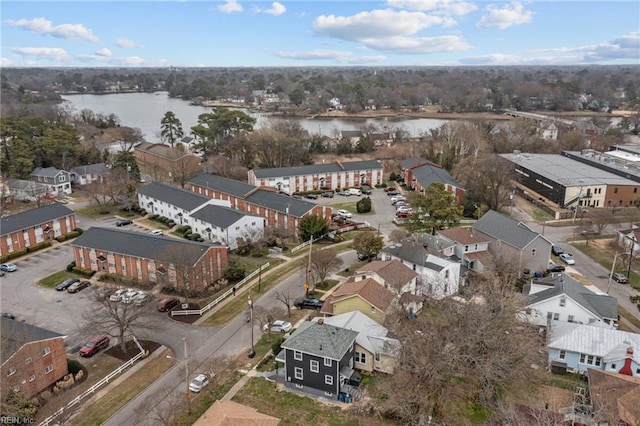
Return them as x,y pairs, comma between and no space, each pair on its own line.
237,33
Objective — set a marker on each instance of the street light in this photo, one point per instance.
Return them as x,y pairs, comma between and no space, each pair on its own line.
615,259
252,352
186,373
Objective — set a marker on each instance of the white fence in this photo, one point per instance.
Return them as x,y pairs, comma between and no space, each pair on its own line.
95,387
339,231
223,296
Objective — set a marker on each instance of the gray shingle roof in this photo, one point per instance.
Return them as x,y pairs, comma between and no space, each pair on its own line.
428,174
411,161
280,203
222,184
220,216
20,221
95,169
506,229
15,334
173,195
411,252
317,169
47,172
601,305
322,340
161,248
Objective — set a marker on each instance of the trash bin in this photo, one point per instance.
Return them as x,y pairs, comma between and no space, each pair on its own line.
348,399
341,397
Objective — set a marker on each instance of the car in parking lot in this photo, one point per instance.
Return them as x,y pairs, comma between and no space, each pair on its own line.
140,299
308,303
123,222
312,196
167,304
128,295
200,382
8,315
553,267
344,193
402,214
117,295
156,232
278,326
344,213
328,194
567,258
8,267
64,285
94,345
556,250
390,188
76,287
620,278
367,191
392,193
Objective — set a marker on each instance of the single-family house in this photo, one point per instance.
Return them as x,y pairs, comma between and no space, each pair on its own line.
548,130
28,190
58,181
375,350
171,261
577,348
230,413
33,358
558,297
615,397
318,358
419,174
629,240
513,242
367,296
21,230
438,277
392,274
471,248
83,175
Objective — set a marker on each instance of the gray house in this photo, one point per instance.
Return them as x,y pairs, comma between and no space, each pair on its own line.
514,242
83,175
59,181
318,358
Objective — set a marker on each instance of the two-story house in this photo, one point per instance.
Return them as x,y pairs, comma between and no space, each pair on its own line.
84,175
365,295
513,242
560,298
392,274
21,230
419,174
472,249
577,347
32,358
318,358
58,181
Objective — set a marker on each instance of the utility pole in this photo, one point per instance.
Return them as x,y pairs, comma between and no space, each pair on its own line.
633,243
186,373
252,351
308,275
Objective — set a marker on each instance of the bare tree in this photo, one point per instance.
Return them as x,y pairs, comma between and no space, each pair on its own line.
600,218
286,299
323,262
397,235
265,317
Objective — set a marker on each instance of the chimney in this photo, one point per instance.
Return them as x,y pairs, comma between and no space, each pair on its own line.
320,321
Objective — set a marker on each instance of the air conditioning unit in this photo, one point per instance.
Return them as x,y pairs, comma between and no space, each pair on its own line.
288,378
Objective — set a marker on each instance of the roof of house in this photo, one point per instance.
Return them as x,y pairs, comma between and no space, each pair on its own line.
173,195
416,253
392,271
220,216
15,334
280,203
162,150
46,172
408,162
157,247
222,184
607,343
429,173
463,236
601,305
29,218
618,392
369,289
317,169
95,169
505,229
351,133
323,340
230,413
27,185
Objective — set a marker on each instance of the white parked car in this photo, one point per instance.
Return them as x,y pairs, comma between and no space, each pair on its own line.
129,295
200,382
567,258
117,296
344,213
278,326
140,299
156,232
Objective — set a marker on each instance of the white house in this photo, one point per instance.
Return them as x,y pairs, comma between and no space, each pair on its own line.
58,181
83,175
462,243
392,274
558,298
437,277
577,347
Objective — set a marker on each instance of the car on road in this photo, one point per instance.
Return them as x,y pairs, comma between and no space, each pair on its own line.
344,193
363,256
278,326
308,303
123,222
167,304
200,382
312,196
620,278
76,287
8,267
156,232
8,315
64,285
555,267
95,344
567,258
556,250
390,188
344,213
328,194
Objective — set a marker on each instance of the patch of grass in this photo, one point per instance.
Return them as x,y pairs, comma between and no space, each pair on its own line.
94,212
628,316
540,215
348,271
348,206
56,278
153,224
327,285
117,397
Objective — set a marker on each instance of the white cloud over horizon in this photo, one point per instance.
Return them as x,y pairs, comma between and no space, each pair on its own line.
230,6
49,53
505,17
46,27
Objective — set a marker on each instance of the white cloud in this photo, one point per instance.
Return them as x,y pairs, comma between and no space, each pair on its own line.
230,6
276,9
50,53
5,62
45,26
103,52
100,57
125,43
508,16
625,47
419,45
444,7
340,56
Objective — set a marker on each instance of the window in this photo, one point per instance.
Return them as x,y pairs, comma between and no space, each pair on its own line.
549,315
556,316
46,351
327,362
562,354
615,190
570,318
466,248
298,373
533,251
361,357
314,366
16,388
27,360
590,359
49,369
62,178
613,366
582,358
328,379
598,361
11,372
32,377
297,355
377,357
563,301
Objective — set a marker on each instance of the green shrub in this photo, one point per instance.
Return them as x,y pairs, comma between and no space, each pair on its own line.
71,265
275,346
393,176
17,253
195,236
200,240
154,217
79,231
38,246
364,205
73,366
235,272
81,271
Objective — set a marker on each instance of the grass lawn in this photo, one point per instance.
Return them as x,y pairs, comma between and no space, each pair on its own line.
93,211
116,398
348,271
628,316
153,224
56,278
327,285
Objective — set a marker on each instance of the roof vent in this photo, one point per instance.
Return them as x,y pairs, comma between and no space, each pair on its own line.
320,346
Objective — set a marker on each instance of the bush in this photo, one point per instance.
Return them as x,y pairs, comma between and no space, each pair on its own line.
275,346
154,216
79,231
393,176
38,246
16,253
73,366
234,272
82,271
71,265
195,236
364,205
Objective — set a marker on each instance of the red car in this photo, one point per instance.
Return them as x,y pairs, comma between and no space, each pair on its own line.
402,214
167,304
390,188
96,343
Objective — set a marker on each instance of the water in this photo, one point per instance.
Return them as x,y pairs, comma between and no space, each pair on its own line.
145,110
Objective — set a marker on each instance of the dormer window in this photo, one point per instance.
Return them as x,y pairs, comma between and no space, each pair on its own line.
563,301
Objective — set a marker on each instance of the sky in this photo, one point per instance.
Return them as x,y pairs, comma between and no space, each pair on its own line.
238,33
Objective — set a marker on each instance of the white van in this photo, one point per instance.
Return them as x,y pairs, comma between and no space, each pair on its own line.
354,191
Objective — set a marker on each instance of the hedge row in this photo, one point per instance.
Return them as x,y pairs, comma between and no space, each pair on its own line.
84,272
164,220
68,236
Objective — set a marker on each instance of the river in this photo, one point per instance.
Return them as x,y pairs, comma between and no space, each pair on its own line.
145,110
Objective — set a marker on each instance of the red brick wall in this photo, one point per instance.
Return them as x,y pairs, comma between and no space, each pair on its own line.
20,243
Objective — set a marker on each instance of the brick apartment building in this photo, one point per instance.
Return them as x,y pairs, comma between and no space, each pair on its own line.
165,163
25,229
419,174
162,259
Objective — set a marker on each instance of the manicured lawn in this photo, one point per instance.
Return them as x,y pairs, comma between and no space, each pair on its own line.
54,279
350,207
94,212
